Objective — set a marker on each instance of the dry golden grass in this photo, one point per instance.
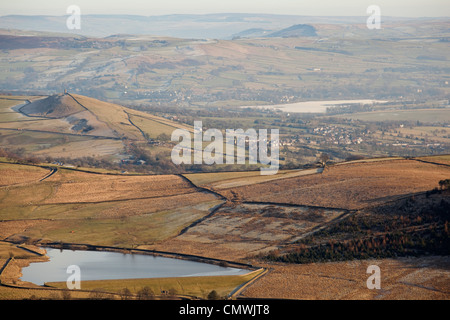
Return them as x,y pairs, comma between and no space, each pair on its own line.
351,186
443,159
83,207
404,278
9,250
86,148
185,286
11,174
56,106
112,115
226,180
86,187
150,212
8,228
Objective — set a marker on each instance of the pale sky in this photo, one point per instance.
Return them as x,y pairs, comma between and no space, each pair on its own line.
398,8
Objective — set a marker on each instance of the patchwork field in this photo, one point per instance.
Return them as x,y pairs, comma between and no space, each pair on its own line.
75,206
244,230
78,172
261,216
250,229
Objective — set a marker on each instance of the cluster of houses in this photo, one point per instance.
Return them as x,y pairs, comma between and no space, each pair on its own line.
338,135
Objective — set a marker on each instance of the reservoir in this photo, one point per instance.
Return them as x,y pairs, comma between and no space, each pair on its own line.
313,106
103,265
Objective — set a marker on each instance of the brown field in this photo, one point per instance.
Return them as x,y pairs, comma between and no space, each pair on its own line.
444,159
83,187
238,231
82,207
11,174
86,148
75,126
425,278
351,186
227,180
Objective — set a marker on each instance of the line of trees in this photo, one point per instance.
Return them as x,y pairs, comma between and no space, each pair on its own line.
435,241
411,227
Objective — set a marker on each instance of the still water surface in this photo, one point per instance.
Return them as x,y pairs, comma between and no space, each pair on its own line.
101,265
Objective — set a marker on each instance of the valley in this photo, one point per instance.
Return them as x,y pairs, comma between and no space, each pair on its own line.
86,165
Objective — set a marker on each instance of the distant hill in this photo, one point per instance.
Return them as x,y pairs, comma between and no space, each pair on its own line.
206,26
298,30
253,32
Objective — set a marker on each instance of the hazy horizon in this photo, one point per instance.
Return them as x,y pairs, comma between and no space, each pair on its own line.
320,8
224,13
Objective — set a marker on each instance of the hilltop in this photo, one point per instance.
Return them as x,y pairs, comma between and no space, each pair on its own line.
74,126
55,106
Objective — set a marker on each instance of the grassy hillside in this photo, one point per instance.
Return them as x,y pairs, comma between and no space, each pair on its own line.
75,126
123,210
56,106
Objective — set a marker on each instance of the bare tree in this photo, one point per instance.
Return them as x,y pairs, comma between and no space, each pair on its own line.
323,159
145,293
125,294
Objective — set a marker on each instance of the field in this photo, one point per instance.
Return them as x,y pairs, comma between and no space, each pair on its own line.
237,217
283,210
71,205
13,174
80,207
225,180
244,230
444,159
185,286
425,278
248,228
424,115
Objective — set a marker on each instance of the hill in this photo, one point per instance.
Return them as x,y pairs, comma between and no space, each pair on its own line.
299,30
75,126
188,26
206,26
56,106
